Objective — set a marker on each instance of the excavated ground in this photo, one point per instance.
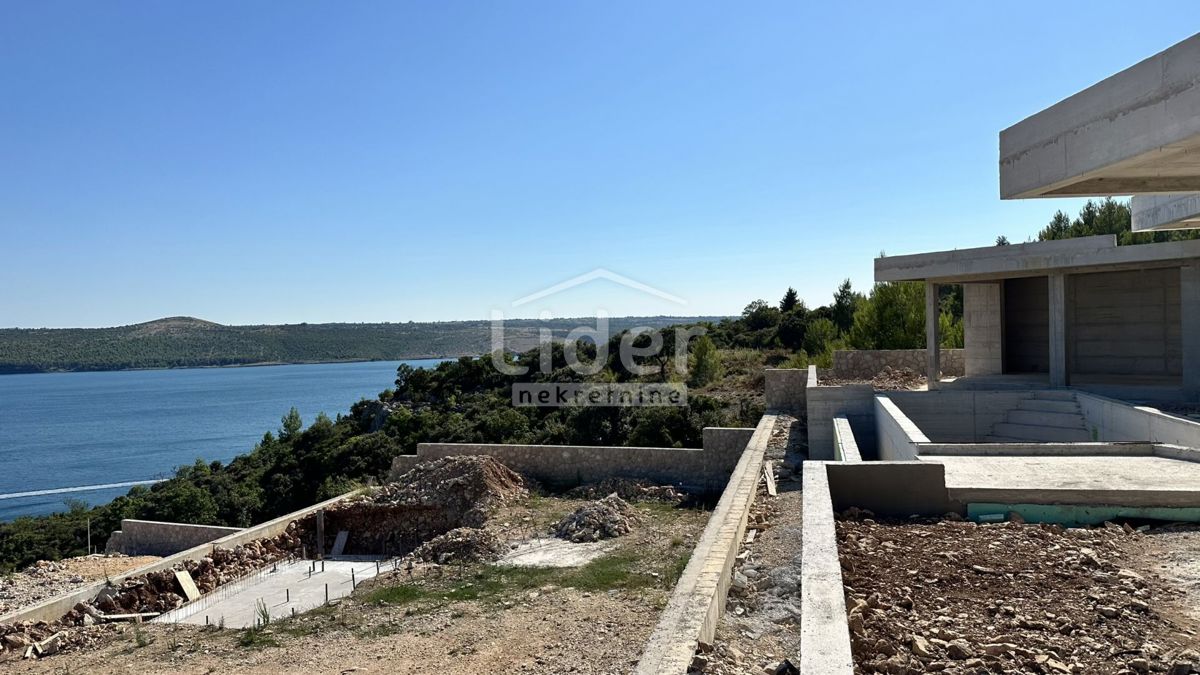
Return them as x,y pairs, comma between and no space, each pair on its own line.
956,597
448,619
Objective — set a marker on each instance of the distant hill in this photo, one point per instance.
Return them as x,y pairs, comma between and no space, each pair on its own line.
185,342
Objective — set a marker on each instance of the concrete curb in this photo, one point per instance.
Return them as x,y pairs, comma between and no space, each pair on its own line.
696,604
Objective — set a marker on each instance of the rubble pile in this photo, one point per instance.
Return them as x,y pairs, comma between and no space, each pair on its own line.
629,489
955,597
604,519
461,545
432,499
46,579
898,378
152,593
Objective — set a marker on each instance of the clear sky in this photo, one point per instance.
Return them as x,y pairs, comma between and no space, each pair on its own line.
271,162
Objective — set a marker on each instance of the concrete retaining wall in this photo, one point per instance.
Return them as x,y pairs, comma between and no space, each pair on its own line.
152,537
845,448
1125,322
1112,420
898,489
898,436
824,634
864,364
957,415
55,608
566,466
695,607
784,390
852,401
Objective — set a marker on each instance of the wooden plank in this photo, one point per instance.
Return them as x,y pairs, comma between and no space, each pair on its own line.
750,535
769,474
188,585
339,544
130,617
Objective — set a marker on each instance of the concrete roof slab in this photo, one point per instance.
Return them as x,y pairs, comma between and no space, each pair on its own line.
1135,132
1165,212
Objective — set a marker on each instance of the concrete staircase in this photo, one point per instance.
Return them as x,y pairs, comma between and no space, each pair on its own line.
1044,417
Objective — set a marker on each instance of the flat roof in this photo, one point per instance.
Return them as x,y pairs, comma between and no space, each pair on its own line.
1136,132
1039,258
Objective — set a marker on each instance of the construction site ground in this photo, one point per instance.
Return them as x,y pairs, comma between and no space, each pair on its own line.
956,597
447,619
45,579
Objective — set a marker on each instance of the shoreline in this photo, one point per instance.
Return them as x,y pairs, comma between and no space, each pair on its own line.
256,364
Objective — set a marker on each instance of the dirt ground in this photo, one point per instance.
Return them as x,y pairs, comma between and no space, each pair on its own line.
444,619
956,597
1173,553
44,580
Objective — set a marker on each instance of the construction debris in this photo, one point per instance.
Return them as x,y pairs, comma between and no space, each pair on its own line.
889,378
462,545
629,489
604,519
45,579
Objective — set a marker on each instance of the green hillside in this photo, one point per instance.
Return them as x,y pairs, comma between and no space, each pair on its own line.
184,342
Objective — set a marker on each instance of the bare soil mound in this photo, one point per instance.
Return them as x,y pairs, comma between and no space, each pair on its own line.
462,545
604,519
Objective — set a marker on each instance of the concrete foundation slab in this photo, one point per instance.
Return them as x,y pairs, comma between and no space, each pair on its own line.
1104,480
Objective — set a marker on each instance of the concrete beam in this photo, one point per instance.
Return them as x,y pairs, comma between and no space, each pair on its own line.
1165,212
1058,330
1034,259
933,368
1133,133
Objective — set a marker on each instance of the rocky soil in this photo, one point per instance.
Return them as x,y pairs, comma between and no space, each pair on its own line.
629,489
604,519
888,379
462,545
956,597
46,579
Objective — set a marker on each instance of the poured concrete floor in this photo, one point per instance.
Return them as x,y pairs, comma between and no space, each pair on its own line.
1118,481
292,587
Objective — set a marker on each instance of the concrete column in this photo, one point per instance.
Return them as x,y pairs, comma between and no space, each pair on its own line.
1058,330
933,338
1189,319
983,328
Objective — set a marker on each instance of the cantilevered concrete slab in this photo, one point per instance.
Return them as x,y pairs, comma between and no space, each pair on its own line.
1040,258
1165,212
1136,132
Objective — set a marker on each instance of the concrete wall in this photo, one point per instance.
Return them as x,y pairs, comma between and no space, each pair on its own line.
864,364
898,436
150,537
1026,325
1124,323
824,633
853,401
957,415
696,604
784,389
565,466
1115,421
845,447
896,489
983,329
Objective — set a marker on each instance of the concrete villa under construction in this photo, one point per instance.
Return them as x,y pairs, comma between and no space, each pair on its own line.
1008,517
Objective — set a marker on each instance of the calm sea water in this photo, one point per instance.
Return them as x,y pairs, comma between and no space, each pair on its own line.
67,431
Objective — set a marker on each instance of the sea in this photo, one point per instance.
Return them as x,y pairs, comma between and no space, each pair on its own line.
92,436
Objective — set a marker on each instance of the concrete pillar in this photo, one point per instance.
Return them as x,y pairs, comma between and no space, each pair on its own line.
983,328
1189,319
1058,330
933,338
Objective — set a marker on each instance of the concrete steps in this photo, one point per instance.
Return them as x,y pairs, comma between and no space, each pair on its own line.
1043,417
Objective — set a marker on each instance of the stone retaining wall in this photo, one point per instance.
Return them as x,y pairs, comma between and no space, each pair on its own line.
565,466
864,364
151,537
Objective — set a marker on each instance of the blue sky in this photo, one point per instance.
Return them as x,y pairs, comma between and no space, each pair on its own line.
385,161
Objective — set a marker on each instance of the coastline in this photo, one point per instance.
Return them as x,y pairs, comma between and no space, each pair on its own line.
256,364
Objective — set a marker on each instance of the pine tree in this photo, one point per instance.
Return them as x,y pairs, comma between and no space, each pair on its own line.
790,300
